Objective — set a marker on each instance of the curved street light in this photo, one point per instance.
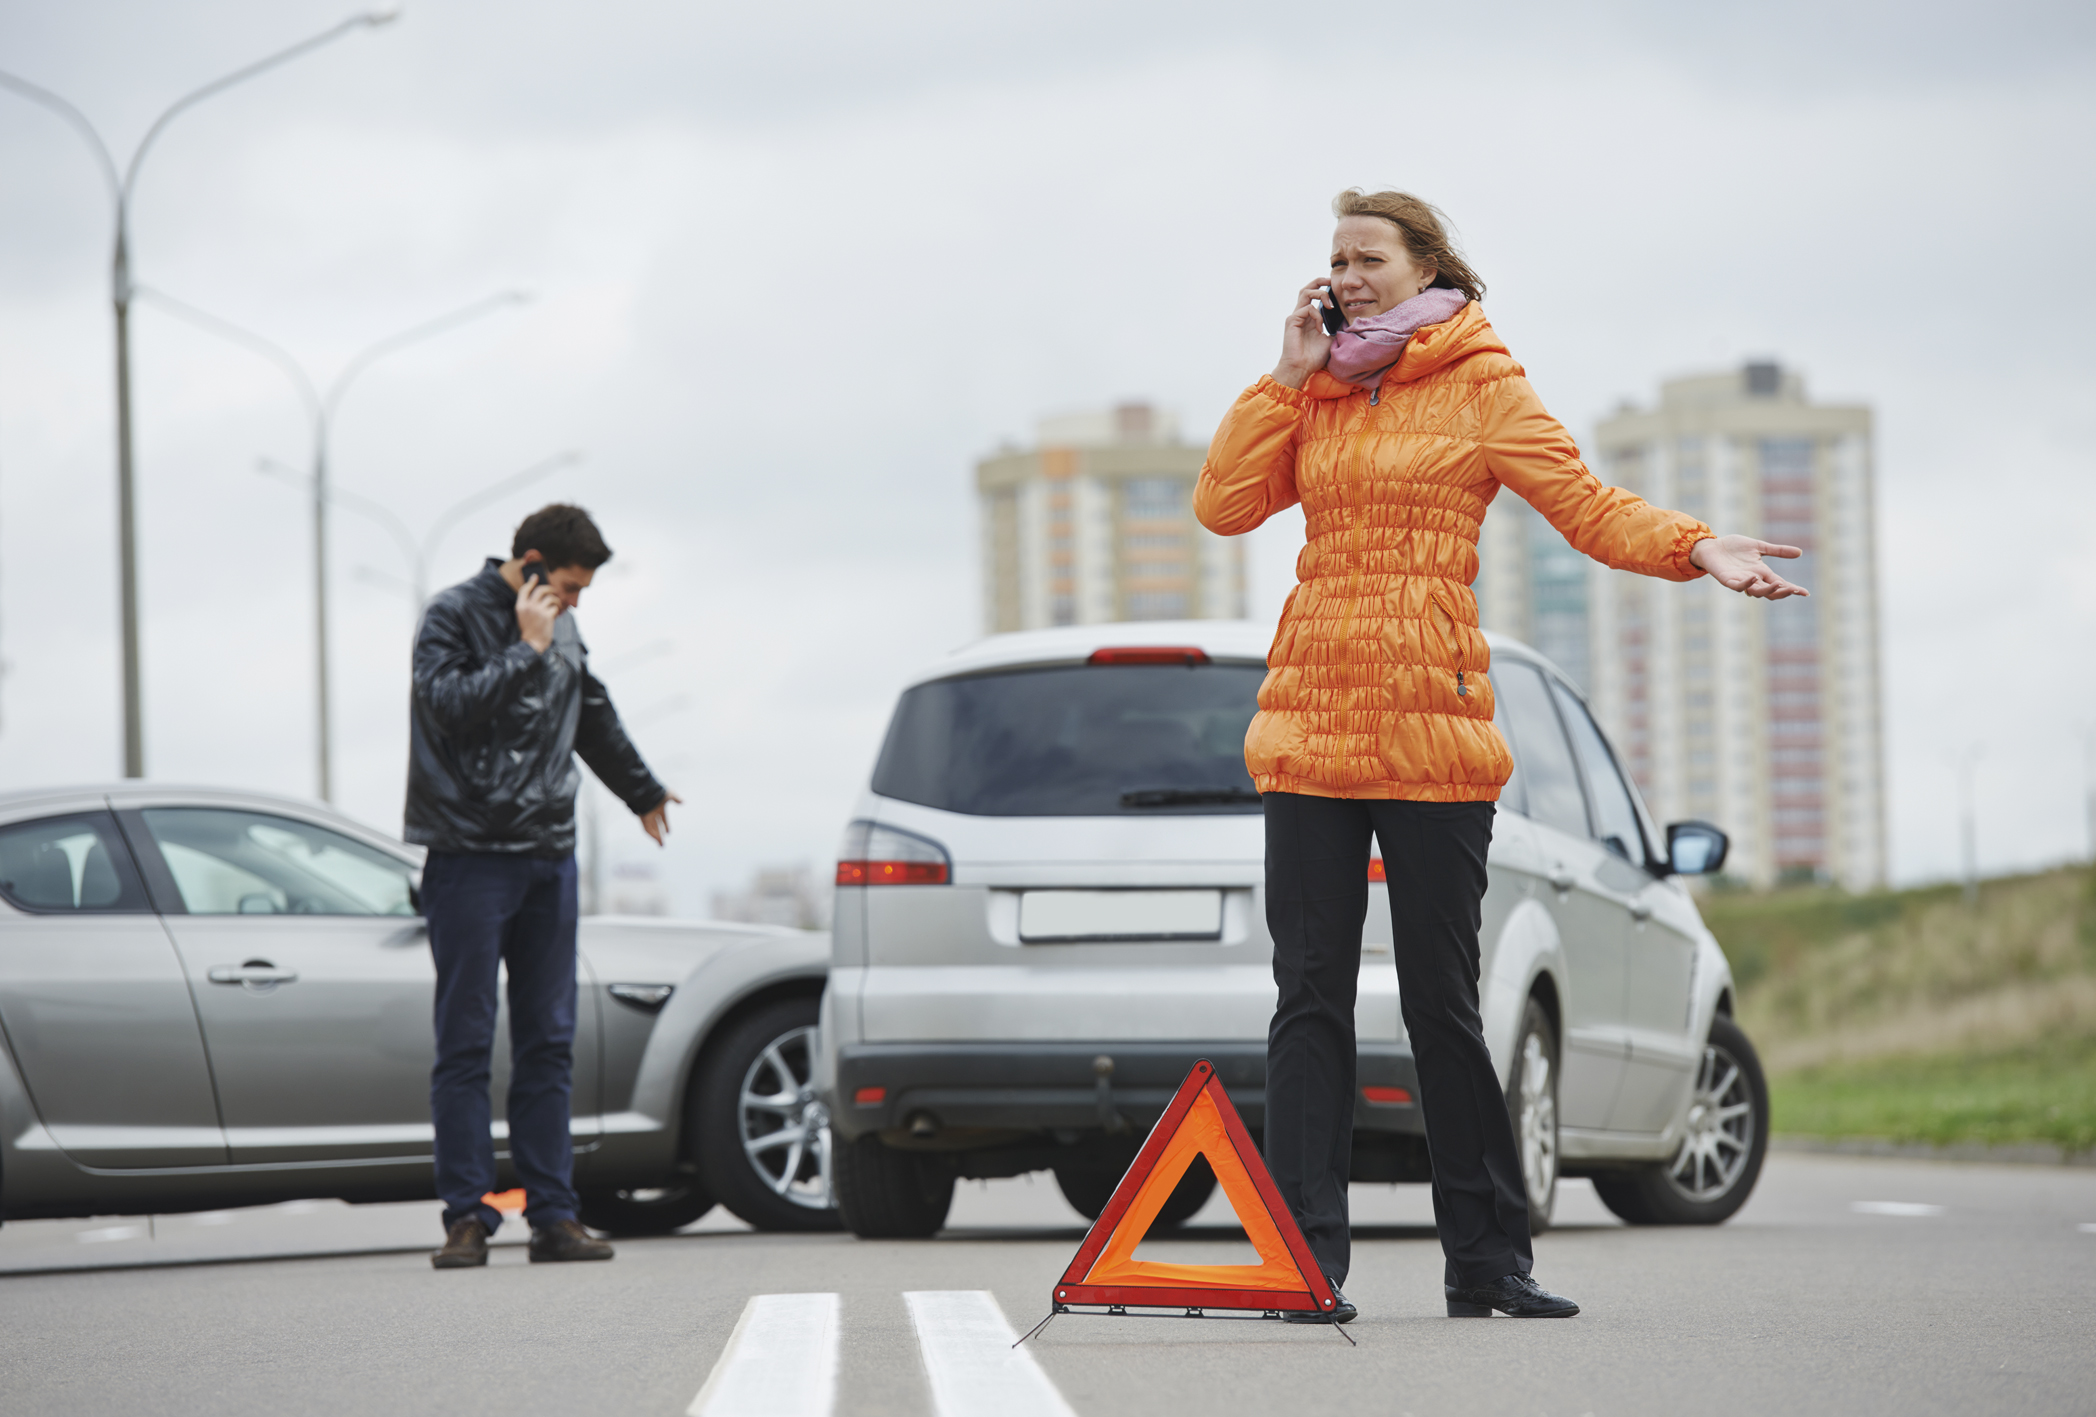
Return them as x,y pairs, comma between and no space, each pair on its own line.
321,407
420,552
121,188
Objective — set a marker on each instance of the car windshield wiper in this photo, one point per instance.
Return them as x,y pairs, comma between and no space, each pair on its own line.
1188,796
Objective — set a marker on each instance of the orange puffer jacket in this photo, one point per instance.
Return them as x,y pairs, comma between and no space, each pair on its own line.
1376,684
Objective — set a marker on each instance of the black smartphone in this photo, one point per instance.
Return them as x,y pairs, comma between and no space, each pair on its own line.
535,571
1334,320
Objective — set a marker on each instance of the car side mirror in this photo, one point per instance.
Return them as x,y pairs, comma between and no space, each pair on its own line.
415,894
1695,848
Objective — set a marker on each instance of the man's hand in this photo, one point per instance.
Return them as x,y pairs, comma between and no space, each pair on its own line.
1735,563
657,823
538,606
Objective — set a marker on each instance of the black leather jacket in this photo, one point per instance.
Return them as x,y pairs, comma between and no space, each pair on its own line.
496,727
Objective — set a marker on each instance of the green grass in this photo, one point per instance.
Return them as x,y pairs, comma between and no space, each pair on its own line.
2044,1093
1911,1016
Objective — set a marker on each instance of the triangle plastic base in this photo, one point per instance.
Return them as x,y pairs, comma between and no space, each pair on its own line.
1199,1122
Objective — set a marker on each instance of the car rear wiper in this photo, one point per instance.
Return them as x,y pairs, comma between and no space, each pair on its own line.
1188,796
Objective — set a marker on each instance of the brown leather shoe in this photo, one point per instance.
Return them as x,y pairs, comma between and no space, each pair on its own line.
465,1246
566,1240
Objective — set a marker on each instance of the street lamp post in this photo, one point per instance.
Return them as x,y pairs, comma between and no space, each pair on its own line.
321,408
121,289
420,553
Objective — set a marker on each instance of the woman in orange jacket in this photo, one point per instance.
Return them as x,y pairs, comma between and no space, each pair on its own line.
1375,718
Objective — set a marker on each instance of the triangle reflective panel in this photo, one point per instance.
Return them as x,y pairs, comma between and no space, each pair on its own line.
1200,1122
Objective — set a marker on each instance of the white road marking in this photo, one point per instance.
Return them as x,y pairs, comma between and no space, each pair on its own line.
781,1361
2086,1228
975,1371
1909,1208
108,1233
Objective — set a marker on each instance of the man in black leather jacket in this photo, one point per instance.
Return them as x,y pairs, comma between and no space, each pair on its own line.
503,704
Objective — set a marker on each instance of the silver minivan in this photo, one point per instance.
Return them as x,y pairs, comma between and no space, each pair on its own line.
1050,905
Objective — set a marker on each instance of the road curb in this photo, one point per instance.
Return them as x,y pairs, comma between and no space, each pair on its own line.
1923,1151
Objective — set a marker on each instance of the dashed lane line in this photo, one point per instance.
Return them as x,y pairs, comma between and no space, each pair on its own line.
781,1361
968,1353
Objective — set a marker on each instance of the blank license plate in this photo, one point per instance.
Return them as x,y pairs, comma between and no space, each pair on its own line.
1120,915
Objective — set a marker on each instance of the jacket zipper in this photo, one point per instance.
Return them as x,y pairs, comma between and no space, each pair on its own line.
1455,647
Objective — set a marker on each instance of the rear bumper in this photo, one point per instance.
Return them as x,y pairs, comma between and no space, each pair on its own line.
1053,1087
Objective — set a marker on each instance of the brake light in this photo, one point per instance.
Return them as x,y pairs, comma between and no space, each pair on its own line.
1150,654
874,855
1375,871
1387,1096
870,1096
891,873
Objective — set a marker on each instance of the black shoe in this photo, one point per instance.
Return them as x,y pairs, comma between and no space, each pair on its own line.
566,1240
465,1246
1341,1312
1515,1295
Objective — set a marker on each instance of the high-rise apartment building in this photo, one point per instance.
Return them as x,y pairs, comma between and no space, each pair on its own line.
1096,523
1760,716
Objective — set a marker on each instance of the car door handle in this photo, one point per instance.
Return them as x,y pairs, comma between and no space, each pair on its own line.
251,974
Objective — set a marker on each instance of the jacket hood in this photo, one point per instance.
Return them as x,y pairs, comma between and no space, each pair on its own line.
1434,347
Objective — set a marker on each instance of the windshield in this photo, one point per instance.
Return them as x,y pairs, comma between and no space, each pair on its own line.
1076,741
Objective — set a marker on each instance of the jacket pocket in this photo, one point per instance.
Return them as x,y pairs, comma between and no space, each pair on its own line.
1277,743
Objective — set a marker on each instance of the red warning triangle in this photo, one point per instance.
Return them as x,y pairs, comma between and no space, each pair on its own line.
1200,1122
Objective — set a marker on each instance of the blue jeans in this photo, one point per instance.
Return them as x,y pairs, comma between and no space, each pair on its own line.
484,911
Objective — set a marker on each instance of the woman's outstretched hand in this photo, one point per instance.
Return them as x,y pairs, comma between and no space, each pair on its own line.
1735,563
1304,344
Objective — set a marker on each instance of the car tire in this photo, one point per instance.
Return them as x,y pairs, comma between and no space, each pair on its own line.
761,1135
644,1212
1714,1172
1089,1190
1532,1108
887,1194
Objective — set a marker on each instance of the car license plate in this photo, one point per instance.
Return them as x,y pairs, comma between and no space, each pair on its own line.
1050,916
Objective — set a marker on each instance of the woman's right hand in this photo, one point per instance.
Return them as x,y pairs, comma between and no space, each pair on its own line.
1304,344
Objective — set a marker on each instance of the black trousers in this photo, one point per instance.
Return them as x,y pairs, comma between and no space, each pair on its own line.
1316,904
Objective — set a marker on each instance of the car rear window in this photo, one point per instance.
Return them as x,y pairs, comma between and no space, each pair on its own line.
1076,741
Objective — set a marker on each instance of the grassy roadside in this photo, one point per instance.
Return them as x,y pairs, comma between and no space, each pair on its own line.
1911,1017
2044,1093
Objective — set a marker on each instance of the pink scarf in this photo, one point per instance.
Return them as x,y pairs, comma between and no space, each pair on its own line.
1365,348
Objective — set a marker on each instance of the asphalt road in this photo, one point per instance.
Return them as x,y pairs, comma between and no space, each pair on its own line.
1848,1285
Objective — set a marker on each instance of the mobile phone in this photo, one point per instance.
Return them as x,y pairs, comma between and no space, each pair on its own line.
535,571
1334,320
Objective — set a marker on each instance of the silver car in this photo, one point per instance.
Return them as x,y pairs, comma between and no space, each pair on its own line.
1050,904
211,999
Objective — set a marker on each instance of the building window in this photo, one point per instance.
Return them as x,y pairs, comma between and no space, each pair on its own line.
1155,498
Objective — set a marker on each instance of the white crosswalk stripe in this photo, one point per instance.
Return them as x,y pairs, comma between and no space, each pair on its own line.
968,1353
781,1361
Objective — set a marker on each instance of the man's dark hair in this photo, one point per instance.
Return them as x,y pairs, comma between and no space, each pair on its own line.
564,535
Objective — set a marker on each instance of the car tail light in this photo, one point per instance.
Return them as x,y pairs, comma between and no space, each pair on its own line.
1149,654
874,855
1375,871
1387,1096
870,1096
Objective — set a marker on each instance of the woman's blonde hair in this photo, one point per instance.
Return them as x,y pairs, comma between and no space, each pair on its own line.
1424,231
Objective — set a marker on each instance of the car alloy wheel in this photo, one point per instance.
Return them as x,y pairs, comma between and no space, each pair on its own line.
1725,1136
1720,1136
785,1127
1532,1103
760,1135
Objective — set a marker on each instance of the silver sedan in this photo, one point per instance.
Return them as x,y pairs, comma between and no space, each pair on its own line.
213,998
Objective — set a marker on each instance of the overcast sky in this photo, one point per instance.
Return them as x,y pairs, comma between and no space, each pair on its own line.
796,267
